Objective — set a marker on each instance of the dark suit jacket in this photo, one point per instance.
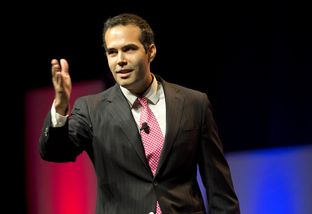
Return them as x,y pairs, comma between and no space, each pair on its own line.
103,126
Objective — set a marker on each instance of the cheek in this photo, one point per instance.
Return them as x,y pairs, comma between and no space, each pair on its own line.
111,64
141,64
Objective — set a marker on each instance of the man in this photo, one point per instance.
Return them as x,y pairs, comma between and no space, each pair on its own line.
145,136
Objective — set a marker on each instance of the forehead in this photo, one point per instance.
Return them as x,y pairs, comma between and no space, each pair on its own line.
121,34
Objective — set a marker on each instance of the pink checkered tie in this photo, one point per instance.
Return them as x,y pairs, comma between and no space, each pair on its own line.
152,138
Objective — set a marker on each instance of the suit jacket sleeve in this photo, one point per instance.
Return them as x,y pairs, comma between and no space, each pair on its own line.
214,169
64,144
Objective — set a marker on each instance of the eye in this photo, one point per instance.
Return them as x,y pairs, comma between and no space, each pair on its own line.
129,48
111,52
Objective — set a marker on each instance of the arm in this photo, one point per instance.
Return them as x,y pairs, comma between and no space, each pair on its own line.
54,142
214,169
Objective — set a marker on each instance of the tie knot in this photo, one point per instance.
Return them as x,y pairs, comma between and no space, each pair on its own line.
142,101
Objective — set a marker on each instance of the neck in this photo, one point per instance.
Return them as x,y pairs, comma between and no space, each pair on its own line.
147,87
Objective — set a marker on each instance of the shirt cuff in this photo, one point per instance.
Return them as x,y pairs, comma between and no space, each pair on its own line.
58,120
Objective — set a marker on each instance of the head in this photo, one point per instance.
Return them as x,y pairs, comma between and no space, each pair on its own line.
130,48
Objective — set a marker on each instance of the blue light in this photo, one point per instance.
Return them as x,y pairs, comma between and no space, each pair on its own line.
273,181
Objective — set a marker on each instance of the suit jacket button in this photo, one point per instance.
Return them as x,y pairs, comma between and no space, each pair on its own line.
155,183
46,131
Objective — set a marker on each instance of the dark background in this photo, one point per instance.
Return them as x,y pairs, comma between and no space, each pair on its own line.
252,58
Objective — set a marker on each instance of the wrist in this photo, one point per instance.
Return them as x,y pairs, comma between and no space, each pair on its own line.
61,108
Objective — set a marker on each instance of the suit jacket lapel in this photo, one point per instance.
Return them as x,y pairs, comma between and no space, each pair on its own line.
124,118
174,106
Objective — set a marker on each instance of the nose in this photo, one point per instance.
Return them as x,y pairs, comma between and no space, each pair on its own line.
121,60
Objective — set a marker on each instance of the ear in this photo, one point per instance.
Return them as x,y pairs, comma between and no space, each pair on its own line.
152,52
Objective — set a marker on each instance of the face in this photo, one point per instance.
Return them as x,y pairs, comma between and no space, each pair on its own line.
128,61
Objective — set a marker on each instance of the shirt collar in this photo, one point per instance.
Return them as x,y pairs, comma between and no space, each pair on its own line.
151,93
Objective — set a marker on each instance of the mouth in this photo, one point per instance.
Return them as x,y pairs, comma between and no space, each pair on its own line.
124,73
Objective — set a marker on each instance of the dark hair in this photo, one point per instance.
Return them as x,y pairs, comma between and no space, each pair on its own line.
147,34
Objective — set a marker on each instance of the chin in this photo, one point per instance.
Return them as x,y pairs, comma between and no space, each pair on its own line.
124,83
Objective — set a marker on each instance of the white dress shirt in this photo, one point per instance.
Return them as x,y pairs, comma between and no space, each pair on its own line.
156,100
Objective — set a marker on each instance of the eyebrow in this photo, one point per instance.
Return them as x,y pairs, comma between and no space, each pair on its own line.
131,45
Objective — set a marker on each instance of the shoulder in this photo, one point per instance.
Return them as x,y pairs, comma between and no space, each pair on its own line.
95,99
170,87
187,90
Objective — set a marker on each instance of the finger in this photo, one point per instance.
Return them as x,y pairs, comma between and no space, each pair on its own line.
64,66
56,74
55,67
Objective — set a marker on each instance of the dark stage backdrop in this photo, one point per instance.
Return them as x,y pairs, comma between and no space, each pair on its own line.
252,58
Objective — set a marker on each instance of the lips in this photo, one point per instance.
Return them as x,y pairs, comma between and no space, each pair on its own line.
124,73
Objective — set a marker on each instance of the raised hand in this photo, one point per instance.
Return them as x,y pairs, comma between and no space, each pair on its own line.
62,85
